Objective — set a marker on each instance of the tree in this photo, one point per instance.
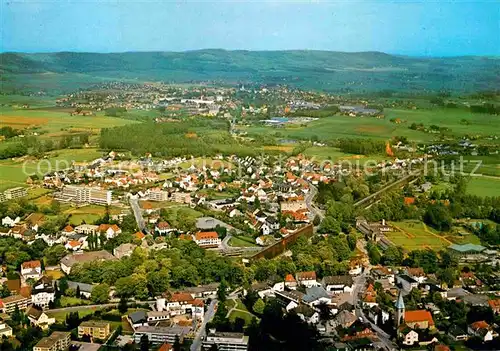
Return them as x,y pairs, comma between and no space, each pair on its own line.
77,293
63,285
144,343
259,306
123,305
177,344
316,220
100,293
222,291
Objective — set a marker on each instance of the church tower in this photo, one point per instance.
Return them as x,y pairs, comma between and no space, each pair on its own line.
400,309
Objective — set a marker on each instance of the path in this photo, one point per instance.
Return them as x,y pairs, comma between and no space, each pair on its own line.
196,345
437,236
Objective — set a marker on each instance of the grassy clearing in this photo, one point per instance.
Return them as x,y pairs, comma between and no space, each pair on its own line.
73,301
324,153
88,214
247,316
60,316
484,186
242,241
55,275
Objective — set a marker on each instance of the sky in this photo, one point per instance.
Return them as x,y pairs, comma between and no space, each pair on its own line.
406,27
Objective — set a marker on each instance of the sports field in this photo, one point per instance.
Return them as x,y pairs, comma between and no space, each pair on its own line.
416,235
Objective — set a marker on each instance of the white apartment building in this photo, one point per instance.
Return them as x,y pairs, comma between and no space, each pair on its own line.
83,194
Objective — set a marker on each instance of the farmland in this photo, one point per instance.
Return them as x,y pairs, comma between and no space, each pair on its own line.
88,214
330,128
15,171
484,186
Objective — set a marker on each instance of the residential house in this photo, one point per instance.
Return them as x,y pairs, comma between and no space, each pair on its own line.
417,274
57,341
138,319
5,329
370,297
406,282
68,261
344,319
110,230
495,305
207,239
316,295
38,318
85,289
457,334
307,314
203,291
86,229
378,315
94,329
289,299
338,284
482,330
163,228
31,269
124,250
43,292
157,316
290,282
408,336
10,222
308,279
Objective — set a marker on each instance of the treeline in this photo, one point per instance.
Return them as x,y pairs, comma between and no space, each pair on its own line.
142,275
194,136
324,112
36,147
361,146
9,132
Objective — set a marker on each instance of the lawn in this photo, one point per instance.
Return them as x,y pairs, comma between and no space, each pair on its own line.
247,316
73,301
88,213
54,274
242,241
60,316
324,153
484,186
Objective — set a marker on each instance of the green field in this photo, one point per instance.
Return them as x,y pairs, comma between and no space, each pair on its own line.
330,128
415,235
60,316
14,173
240,311
323,153
484,186
54,122
242,241
88,214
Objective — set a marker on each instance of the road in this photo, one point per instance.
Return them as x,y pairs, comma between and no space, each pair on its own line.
134,203
313,210
384,338
196,345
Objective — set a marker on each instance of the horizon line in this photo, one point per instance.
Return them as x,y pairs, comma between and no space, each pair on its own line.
248,50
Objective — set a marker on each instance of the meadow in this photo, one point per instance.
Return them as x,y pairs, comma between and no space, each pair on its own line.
87,214
484,186
337,126
14,172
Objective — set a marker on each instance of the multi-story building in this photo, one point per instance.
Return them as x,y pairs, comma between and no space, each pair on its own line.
180,197
83,194
157,195
8,304
3,197
207,239
160,335
31,269
225,341
43,292
94,329
14,193
57,341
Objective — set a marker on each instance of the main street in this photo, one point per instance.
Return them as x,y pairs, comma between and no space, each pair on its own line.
196,345
359,287
134,204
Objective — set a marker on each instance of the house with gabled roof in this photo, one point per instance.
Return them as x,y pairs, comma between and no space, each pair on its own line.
308,279
31,269
39,318
482,330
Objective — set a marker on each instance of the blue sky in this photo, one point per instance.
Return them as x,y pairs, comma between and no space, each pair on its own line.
419,28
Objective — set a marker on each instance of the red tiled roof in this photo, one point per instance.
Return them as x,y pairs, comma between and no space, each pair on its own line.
206,235
68,229
31,264
163,225
74,243
185,237
306,275
166,347
181,297
289,278
409,200
494,304
418,316
480,325
139,235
